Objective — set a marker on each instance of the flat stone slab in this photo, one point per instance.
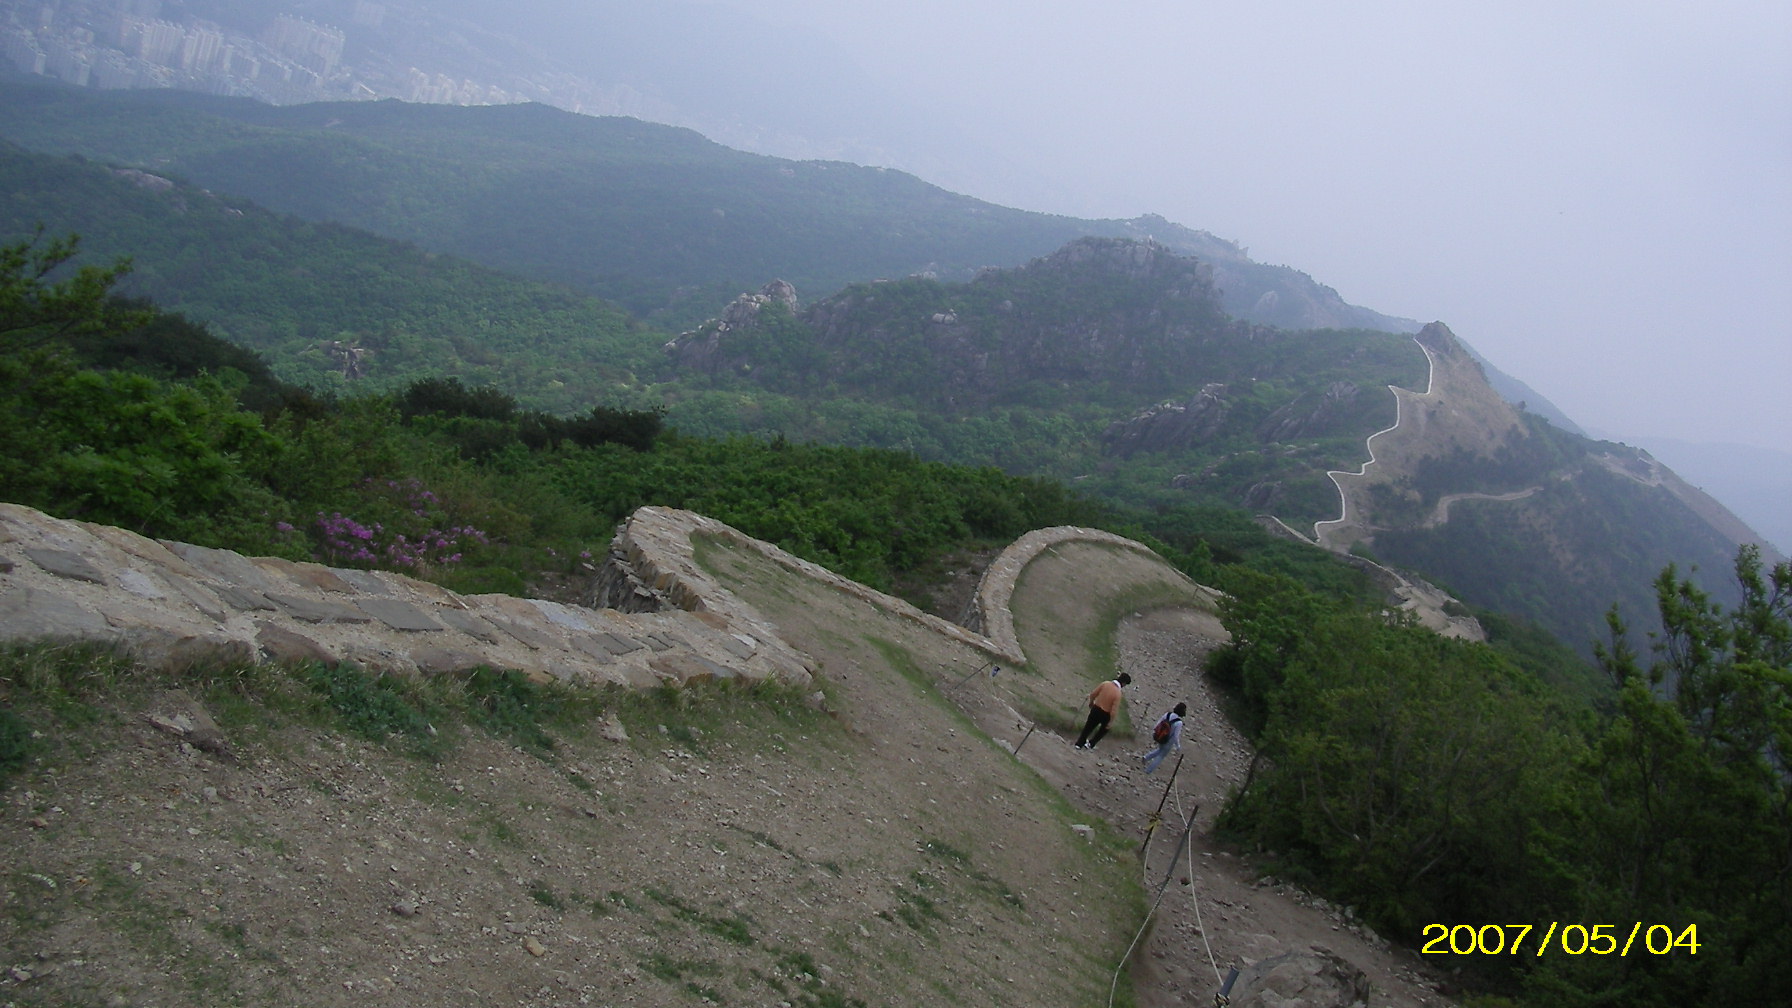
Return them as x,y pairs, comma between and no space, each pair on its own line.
365,582
690,668
307,575
444,661
318,611
226,566
65,564
534,639
285,645
470,624
199,598
141,585
242,600
398,615
590,646
562,616
615,645
31,612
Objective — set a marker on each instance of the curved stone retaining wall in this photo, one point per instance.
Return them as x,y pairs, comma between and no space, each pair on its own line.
990,611
654,548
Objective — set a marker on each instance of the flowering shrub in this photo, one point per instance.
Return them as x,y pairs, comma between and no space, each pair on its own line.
417,534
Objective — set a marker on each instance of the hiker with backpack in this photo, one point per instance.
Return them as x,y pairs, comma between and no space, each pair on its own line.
1167,733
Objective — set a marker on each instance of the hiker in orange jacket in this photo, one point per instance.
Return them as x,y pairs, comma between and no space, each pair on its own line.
1104,703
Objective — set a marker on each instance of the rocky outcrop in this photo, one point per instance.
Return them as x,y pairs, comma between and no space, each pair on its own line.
1170,425
176,604
1133,260
144,180
707,348
1310,415
1105,311
655,615
1316,978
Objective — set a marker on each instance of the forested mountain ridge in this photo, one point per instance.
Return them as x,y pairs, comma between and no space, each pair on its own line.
1115,362
1112,364
655,218
329,306
1065,366
1408,776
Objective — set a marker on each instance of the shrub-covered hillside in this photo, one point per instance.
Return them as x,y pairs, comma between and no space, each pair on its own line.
1421,780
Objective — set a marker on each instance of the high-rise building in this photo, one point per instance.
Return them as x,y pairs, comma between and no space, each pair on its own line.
317,48
22,50
202,50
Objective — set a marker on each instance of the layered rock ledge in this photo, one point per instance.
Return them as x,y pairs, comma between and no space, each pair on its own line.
170,603
655,616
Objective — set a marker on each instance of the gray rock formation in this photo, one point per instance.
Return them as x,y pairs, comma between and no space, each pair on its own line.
706,348
1317,978
1170,425
174,604
1310,416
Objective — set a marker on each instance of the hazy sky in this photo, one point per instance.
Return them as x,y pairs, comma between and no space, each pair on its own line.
1597,196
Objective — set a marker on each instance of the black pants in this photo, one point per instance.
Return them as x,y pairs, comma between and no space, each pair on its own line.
1097,723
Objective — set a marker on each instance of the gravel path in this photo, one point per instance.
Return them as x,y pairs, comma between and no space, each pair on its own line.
1216,911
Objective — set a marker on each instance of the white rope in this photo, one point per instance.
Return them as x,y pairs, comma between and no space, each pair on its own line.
1162,888
1195,898
1114,984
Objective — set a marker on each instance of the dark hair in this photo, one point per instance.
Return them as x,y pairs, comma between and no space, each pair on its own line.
1123,678
1181,709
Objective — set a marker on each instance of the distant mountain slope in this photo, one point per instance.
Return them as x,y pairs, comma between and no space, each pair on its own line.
655,218
1755,483
1513,514
328,306
1516,392
1111,363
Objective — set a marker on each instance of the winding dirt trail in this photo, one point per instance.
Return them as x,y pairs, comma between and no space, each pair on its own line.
1323,532
1216,910
1441,512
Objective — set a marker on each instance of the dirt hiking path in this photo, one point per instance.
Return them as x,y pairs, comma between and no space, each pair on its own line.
878,845
1083,612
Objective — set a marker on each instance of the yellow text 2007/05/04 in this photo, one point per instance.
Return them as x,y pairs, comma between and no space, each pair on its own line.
1566,939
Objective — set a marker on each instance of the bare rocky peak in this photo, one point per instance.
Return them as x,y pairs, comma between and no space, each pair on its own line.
1310,414
702,349
1171,424
1131,259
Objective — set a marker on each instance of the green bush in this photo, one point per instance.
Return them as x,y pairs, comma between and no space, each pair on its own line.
378,708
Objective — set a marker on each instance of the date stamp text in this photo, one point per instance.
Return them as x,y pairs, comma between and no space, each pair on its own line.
1559,938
